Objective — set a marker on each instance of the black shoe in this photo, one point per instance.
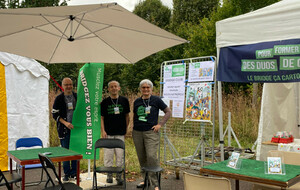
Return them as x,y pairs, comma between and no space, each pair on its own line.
74,178
140,185
119,182
109,179
65,179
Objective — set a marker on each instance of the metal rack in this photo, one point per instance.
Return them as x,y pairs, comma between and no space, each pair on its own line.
187,143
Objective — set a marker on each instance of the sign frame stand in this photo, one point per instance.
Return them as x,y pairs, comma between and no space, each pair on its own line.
202,144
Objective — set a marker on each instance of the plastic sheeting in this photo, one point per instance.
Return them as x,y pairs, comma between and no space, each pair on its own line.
278,113
27,99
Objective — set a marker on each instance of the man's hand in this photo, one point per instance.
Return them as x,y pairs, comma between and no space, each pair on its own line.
156,128
103,134
69,125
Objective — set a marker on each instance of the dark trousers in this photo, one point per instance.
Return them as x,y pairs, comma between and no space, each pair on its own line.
69,169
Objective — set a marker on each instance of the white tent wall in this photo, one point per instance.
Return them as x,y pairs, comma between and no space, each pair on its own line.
29,115
279,112
279,21
27,91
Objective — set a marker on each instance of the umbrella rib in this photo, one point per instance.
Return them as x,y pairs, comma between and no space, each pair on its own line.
78,25
82,36
97,8
35,27
63,33
15,32
58,43
135,30
47,32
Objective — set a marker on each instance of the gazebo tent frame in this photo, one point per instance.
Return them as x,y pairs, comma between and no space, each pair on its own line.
277,22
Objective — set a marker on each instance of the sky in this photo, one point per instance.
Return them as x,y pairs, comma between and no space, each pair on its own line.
127,4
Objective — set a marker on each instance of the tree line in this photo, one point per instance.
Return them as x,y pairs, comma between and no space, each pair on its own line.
193,20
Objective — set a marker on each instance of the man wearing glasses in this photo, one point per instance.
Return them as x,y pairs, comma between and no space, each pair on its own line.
63,108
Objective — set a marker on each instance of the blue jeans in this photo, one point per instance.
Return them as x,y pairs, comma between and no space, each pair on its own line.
69,169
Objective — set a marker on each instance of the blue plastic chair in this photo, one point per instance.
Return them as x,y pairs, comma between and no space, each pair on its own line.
30,142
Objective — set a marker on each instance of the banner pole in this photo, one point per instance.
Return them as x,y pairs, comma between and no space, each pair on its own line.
89,170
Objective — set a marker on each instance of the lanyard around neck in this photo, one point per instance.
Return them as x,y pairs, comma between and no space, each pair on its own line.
148,102
115,104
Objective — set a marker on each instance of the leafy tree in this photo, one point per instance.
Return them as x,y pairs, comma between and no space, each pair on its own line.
60,71
202,36
2,4
148,68
113,72
12,4
191,11
153,11
42,3
245,6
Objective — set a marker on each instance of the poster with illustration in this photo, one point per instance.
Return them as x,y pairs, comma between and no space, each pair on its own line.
274,165
198,102
201,71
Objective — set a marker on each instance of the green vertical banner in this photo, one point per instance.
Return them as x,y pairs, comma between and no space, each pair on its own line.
86,117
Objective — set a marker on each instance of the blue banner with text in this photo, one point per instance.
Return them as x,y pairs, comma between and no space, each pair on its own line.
266,62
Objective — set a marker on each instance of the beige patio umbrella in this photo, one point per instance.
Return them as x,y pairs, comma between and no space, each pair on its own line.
105,33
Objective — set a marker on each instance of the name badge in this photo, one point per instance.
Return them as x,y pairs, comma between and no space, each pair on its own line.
147,110
70,106
116,109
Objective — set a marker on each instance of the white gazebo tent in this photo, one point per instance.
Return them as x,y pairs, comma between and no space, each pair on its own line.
277,22
24,102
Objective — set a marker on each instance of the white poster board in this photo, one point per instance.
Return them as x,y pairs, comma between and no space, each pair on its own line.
201,71
177,108
174,82
174,87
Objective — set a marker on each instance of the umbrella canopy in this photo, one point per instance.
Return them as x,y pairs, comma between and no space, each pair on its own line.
105,33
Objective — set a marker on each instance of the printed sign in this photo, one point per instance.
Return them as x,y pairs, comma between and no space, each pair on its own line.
201,71
86,117
177,108
174,81
268,62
